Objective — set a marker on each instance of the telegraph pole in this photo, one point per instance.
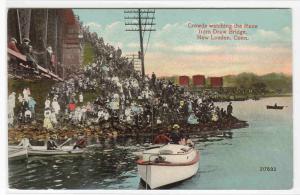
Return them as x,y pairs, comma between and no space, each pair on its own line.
141,44
139,19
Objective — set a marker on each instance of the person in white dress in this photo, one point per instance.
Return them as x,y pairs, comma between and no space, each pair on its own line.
53,118
26,93
77,115
20,98
28,115
55,106
81,97
25,143
100,115
106,115
128,115
83,112
11,107
115,104
47,103
47,119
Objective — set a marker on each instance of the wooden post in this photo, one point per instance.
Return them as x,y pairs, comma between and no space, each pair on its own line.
19,26
55,44
46,36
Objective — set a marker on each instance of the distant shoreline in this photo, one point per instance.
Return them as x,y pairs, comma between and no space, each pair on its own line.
278,95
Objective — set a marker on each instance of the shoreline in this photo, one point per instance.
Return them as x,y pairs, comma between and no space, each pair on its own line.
36,134
249,97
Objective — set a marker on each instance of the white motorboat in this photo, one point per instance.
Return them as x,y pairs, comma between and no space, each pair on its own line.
17,153
171,163
42,150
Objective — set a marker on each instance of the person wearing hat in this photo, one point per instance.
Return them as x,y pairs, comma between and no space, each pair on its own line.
25,46
27,115
26,49
55,105
51,144
13,45
229,109
47,103
26,40
174,135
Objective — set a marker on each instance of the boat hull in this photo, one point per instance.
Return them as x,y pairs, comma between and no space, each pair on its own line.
42,150
14,154
275,107
53,152
158,175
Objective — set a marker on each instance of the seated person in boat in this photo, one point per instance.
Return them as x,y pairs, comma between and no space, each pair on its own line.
80,143
25,143
161,139
175,135
51,144
188,141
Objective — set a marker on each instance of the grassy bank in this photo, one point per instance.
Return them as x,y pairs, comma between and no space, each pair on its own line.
39,90
88,54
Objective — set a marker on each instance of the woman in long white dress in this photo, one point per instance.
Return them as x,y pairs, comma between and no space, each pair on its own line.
47,119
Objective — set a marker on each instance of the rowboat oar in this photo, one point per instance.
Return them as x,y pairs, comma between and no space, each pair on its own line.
69,139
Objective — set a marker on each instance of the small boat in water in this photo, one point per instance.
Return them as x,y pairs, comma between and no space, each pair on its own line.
275,107
42,150
17,153
167,164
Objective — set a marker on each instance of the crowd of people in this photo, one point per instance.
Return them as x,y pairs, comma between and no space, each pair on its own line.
122,97
23,106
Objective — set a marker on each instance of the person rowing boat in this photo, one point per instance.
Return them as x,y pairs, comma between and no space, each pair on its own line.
51,144
175,137
80,143
161,139
25,143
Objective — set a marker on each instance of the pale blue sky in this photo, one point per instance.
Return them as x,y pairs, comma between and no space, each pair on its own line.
175,45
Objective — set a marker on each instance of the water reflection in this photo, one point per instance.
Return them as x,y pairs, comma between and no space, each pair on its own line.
108,164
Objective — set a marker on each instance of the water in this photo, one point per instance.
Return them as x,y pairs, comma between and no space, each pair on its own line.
226,163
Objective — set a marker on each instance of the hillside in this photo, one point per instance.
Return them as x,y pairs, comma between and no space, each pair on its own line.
271,82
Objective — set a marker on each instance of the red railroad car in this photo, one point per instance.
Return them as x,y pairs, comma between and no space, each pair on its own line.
184,81
199,80
216,81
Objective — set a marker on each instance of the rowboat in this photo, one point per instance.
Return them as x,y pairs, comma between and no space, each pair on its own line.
65,150
42,150
275,107
17,153
167,164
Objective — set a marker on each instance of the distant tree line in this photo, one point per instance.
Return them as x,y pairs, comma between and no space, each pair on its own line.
268,83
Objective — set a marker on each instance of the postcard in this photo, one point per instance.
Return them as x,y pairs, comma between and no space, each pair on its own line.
150,98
